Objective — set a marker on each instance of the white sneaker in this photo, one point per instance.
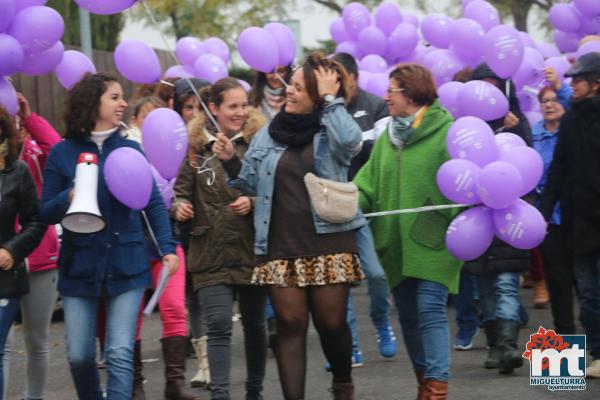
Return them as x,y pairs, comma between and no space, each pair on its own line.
593,370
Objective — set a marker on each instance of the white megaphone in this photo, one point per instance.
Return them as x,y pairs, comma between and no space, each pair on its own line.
84,215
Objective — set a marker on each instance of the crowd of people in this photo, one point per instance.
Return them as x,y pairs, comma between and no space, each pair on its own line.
245,225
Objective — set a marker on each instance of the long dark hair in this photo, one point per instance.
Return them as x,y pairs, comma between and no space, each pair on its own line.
83,104
257,94
9,133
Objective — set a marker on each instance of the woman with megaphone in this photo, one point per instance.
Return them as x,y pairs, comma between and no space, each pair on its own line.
111,263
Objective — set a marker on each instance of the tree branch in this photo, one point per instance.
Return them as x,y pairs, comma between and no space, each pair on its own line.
332,5
544,6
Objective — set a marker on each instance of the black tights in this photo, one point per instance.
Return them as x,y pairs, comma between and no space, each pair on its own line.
328,307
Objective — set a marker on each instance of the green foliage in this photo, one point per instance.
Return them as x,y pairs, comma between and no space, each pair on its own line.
325,46
105,29
242,73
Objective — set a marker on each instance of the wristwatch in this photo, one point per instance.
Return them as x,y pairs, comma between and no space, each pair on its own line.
328,98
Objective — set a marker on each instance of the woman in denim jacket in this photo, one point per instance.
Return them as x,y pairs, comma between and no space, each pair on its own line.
306,263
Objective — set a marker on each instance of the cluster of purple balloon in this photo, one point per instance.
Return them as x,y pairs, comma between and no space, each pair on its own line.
573,21
205,60
492,172
264,49
129,175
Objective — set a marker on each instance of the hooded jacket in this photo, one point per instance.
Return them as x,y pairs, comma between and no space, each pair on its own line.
220,244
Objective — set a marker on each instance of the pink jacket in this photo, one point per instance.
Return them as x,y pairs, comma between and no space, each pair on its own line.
34,153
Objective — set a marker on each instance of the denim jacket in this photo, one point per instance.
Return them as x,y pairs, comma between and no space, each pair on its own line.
334,147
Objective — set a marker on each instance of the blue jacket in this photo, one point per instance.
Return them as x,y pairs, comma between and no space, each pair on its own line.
335,145
115,258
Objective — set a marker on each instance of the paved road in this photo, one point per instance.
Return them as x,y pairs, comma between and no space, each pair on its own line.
379,379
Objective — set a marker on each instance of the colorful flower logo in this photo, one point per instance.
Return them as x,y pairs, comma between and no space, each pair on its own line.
545,339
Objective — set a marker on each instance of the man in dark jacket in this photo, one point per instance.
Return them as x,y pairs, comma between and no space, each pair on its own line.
574,180
371,114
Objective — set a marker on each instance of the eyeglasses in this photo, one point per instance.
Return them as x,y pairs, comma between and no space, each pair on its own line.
392,90
553,100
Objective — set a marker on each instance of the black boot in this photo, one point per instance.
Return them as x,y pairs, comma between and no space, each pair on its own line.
510,356
138,379
174,352
493,356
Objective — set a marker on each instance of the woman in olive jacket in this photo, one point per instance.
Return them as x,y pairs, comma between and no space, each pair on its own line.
18,199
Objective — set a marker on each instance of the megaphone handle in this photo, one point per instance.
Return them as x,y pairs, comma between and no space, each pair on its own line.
152,236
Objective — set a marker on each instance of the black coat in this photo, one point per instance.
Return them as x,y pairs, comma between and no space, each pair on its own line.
574,176
18,198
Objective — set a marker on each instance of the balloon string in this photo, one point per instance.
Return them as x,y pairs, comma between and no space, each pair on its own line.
174,56
415,210
285,84
152,236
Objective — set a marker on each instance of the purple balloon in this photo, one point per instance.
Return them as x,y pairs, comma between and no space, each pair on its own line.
8,8
72,67
37,28
503,50
484,13
589,26
562,16
373,63
448,95
531,70
164,186
482,100
165,140
403,40
259,49
507,141
411,19
378,84
529,164
188,49
338,31
363,79
136,61
350,48
499,184
218,47
470,234
472,139
210,67
286,42
247,87
8,96
372,40
589,47
128,177
548,50
105,7
528,100
11,55
466,39
436,30
179,71
588,7
520,225
527,40
457,180
44,62
566,41
387,17
421,52
21,4
356,18
443,64
560,64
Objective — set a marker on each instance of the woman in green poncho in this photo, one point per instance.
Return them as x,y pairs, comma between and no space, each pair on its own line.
401,174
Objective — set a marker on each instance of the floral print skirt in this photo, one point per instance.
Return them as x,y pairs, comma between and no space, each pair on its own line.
309,271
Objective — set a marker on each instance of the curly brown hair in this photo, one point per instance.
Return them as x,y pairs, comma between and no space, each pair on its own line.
312,63
8,132
82,106
417,83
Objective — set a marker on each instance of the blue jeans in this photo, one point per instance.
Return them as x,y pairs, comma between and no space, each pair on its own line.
8,312
351,319
499,296
467,317
379,308
587,279
422,313
80,334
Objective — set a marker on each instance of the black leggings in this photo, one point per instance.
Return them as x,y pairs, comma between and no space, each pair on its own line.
328,307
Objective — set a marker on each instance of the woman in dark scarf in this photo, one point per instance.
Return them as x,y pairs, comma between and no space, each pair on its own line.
268,91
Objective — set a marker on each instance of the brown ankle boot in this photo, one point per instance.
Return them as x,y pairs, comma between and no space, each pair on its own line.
436,390
342,391
174,352
421,382
138,379
541,297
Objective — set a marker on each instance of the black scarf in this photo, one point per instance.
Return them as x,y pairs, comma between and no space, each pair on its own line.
295,130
